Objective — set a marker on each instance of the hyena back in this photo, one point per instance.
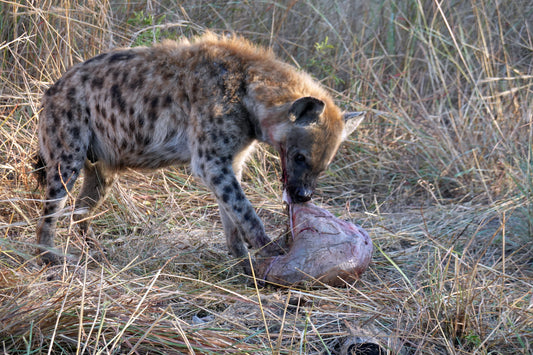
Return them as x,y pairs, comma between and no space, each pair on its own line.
202,103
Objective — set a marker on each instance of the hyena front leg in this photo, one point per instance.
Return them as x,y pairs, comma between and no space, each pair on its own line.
235,235
238,216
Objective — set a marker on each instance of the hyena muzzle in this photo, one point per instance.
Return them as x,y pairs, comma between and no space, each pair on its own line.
204,103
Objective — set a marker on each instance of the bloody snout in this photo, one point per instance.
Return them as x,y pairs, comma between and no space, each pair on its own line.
300,194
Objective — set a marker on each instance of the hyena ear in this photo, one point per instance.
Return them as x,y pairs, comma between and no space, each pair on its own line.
306,111
351,121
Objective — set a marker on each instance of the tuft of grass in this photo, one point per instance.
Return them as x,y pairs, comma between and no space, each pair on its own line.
439,174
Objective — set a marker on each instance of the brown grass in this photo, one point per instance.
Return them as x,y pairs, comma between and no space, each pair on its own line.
439,174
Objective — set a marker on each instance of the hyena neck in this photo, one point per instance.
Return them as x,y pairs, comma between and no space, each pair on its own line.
271,121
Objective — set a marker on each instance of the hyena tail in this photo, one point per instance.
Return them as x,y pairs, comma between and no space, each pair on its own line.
39,169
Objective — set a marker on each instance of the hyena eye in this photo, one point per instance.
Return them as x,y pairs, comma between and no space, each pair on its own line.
299,158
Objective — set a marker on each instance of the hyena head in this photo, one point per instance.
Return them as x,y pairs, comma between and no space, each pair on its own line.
311,142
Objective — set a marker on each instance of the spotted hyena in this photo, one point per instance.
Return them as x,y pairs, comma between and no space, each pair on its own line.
204,102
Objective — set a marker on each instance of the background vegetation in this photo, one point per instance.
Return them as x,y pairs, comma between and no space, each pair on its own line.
439,174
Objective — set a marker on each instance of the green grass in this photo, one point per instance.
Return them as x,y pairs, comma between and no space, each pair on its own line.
439,173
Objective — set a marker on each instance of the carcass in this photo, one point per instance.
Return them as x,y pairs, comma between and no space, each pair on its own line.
323,249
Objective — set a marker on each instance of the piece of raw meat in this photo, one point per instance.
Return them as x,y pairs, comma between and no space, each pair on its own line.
323,248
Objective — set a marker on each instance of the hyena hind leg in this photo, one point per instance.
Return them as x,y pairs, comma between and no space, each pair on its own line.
96,185
59,178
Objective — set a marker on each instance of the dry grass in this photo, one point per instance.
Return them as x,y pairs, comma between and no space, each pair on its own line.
439,174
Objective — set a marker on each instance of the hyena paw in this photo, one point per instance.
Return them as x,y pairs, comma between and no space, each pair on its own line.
50,257
246,266
98,254
273,248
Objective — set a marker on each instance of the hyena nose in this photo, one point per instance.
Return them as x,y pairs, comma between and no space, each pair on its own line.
302,194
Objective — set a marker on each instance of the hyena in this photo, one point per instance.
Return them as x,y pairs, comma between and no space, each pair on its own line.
204,102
